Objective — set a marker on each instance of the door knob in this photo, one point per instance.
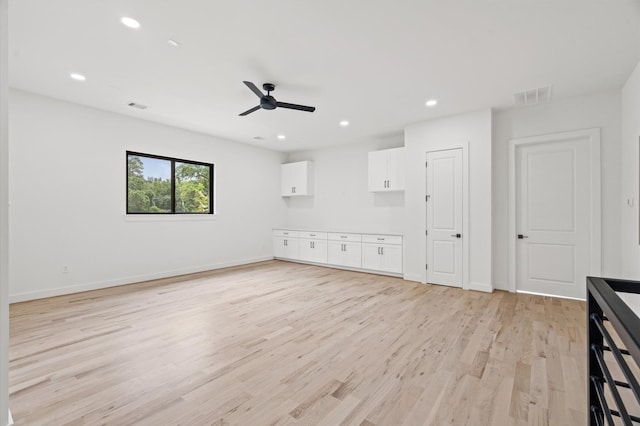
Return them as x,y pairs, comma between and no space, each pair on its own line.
457,235
520,236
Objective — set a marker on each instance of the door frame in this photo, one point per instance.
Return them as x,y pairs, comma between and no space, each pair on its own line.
464,146
595,250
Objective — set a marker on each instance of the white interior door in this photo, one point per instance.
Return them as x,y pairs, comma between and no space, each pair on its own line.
553,211
444,217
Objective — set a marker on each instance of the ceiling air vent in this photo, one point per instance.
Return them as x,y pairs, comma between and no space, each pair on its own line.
139,106
533,96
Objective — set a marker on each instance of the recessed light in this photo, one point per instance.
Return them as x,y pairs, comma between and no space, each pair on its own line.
282,137
344,123
431,102
77,76
173,43
136,105
130,22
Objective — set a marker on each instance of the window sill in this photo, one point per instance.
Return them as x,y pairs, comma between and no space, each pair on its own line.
170,217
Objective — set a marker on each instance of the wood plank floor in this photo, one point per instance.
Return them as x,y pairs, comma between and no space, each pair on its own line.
282,343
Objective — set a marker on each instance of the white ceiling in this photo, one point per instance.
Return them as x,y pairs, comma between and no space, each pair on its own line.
372,62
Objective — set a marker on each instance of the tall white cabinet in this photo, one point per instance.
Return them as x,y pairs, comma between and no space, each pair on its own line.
386,170
296,179
380,254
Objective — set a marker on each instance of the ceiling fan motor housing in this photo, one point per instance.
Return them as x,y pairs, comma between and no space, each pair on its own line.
267,102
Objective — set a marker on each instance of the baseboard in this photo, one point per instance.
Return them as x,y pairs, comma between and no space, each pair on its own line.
61,291
480,287
533,293
413,277
501,286
344,268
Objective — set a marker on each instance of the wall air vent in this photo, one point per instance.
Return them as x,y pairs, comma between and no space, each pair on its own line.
533,96
139,106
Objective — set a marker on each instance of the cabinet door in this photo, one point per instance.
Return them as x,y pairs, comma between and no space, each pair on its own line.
391,259
335,254
286,180
319,251
305,250
395,169
279,248
352,255
371,256
378,171
291,248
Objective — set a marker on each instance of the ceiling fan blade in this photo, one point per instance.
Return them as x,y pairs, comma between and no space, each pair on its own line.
249,111
295,106
254,89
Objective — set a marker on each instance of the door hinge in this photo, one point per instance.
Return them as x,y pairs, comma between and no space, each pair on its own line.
425,164
426,232
426,266
426,197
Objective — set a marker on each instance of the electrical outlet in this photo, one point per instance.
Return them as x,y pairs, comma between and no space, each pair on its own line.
65,269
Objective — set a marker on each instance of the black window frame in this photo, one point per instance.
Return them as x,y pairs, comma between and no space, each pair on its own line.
173,183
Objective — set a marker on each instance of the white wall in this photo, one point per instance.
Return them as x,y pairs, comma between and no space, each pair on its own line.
4,217
599,110
67,193
630,155
474,128
341,200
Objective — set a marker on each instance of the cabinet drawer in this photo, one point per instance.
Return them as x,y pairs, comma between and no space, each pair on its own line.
382,239
313,235
345,237
285,233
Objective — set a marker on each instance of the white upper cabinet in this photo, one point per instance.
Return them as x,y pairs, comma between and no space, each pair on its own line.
386,170
297,179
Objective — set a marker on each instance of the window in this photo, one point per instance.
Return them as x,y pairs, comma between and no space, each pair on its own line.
162,185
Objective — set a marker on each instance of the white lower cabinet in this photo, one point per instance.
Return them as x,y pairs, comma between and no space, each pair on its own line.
382,253
285,244
376,253
345,250
371,256
345,254
312,250
285,247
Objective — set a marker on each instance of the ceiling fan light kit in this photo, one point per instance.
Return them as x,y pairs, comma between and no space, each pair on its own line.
269,102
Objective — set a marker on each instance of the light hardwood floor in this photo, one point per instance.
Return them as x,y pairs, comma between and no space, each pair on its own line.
284,343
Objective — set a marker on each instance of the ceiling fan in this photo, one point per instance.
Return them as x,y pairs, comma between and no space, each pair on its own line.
269,102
